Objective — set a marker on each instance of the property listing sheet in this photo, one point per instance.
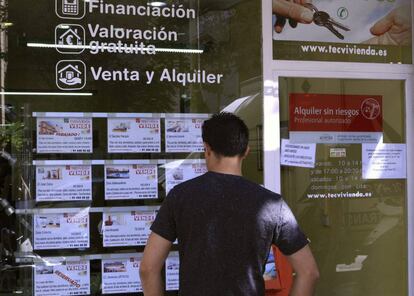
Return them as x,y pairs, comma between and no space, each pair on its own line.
183,135
64,135
127,228
62,278
179,171
61,231
121,276
134,135
63,182
172,271
131,181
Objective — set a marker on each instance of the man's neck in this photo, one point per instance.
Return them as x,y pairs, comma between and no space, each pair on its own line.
225,165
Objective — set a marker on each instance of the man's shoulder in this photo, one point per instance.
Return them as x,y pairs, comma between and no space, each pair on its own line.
239,184
262,191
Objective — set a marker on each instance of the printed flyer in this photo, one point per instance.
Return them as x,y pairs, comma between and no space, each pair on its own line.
335,118
299,155
127,228
62,278
131,181
64,135
183,135
179,171
63,182
121,276
364,31
172,273
61,231
384,161
134,135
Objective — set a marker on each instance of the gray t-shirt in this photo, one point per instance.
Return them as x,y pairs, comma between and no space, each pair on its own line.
225,226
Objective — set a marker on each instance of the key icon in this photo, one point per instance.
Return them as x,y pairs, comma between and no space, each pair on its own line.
323,19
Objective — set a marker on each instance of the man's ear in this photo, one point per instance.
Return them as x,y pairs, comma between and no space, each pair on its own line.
247,152
207,148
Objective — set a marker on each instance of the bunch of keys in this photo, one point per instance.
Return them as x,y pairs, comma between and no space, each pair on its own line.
323,19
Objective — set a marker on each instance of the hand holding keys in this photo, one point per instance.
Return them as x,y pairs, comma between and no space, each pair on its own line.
322,18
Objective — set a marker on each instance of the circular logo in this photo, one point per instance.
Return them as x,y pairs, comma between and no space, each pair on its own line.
370,108
342,13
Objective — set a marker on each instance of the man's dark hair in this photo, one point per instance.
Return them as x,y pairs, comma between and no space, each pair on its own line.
226,134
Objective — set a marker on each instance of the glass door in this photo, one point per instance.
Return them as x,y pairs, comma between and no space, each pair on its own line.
343,172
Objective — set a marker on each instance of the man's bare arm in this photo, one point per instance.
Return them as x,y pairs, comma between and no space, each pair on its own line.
304,265
155,253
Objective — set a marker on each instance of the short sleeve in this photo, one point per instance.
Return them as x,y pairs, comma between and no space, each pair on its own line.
164,224
289,238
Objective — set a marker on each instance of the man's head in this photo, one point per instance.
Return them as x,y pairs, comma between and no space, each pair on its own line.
226,135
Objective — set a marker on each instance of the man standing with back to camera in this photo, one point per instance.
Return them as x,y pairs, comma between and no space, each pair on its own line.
225,226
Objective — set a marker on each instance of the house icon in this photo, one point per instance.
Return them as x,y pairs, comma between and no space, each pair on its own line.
69,38
70,75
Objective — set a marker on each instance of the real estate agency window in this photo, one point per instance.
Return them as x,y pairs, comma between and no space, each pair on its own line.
103,107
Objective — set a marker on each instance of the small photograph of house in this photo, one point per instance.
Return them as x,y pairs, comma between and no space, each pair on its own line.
50,221
121,127
178,174
116,266
115,219
53,174
177,126
44,269
47,128
115,173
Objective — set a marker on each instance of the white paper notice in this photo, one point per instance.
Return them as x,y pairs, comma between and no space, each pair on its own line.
134,135
121,276
134,181
127,228
172,271
64,135
63,278
384,161
181,171
61,231
299,155
62,183
183,135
